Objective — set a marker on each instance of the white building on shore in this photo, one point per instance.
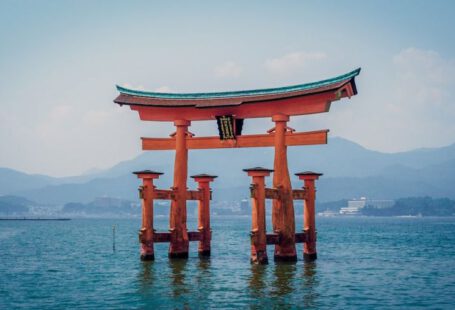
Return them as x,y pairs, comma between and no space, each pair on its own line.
355,205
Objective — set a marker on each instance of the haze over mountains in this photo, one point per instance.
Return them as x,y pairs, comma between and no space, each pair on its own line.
349,171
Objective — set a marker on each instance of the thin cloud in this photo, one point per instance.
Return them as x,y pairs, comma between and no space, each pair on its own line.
128,85
97,117
229,69
290,62
424,76
411,107
60,112
163,89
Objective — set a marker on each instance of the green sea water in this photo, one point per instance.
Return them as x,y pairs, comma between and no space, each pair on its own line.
363,263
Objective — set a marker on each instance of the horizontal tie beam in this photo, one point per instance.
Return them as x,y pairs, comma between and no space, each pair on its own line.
274,238
160,237
262,140
169,194
275,193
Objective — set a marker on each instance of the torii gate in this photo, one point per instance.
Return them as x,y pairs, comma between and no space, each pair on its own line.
230,109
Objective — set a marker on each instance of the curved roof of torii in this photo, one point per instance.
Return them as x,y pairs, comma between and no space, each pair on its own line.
233,101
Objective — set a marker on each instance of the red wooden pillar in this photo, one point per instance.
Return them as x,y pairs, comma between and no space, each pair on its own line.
258,226
146,194
203,181
309,219
283,208
178,247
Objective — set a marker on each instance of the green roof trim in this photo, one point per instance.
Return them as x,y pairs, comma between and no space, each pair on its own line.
240,93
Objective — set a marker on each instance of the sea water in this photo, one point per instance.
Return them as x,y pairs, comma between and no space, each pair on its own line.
363,263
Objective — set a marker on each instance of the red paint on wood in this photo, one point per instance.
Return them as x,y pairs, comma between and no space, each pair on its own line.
261,140
204,228
258,225
283,208
309,219
146,233
315,103
179,234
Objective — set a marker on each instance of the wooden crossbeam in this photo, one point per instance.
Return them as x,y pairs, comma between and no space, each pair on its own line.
262,140
274,193
300,237
160,237
298,194
169,194
163,194
194,195
194,236
274,238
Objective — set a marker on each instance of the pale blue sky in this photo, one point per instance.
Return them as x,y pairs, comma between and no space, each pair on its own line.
60,60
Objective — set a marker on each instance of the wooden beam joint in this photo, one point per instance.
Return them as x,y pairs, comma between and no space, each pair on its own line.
299,194
194,195
272,193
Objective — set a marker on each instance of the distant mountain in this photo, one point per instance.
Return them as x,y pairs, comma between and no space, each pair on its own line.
340,157
12,181
391,183
122,187
349,170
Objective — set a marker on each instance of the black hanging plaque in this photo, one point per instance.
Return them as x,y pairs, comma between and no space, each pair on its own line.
226,127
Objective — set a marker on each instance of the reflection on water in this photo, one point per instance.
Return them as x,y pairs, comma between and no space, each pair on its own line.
310,284
204,266
257,280
283,281
286,284
146,275
178,271
203,279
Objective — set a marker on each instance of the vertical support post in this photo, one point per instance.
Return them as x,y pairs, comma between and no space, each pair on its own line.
283,218
146,195
258,224
179,245
203,181
309,219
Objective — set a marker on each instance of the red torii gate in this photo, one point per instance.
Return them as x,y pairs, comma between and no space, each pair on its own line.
230,109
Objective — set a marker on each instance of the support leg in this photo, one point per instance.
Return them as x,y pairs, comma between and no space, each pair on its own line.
309,223
204,213
146,193
258,224
283,218
309,219
178,247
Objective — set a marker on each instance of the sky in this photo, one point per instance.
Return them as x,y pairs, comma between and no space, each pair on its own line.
60,62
